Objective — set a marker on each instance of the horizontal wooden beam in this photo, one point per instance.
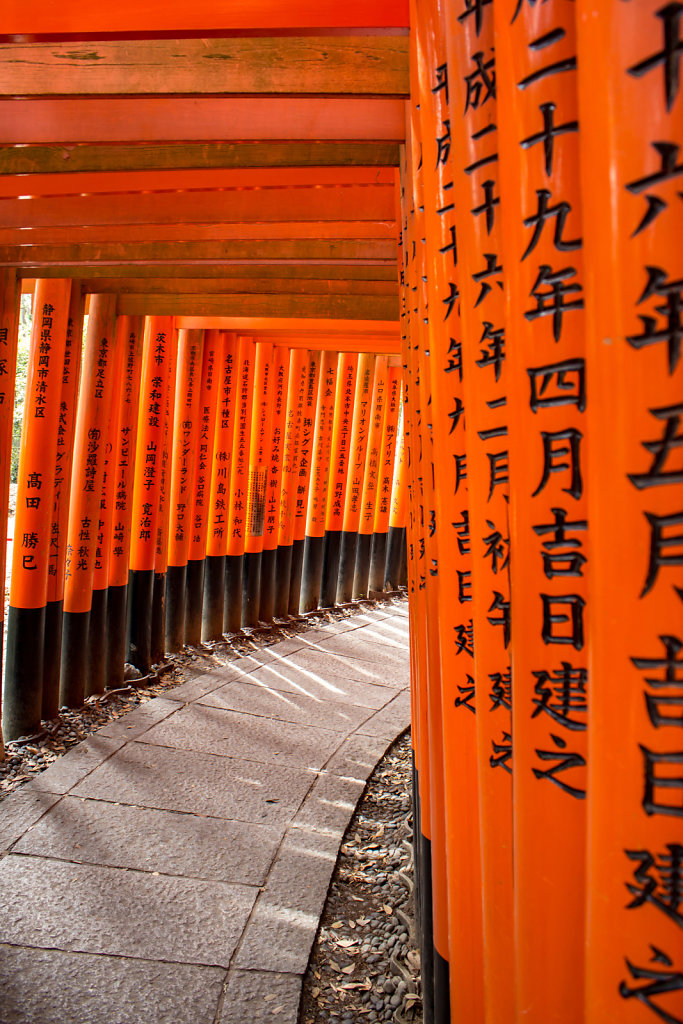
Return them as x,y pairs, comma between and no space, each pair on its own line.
33,17
351,307
229,286
236,206
292,65
293,328
275,251
132,233
193,179
196,119
84,158
349,343
321,271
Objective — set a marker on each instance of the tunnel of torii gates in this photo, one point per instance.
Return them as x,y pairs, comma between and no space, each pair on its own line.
288,363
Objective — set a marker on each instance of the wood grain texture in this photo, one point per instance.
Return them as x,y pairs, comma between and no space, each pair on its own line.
332,65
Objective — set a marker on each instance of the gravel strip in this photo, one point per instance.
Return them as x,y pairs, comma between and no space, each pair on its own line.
364,965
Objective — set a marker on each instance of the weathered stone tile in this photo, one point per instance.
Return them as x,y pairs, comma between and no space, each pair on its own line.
255,699
261,997
75,765
48,986
330,804
94,909
391,720
180,780
134,723
19,811
285,920
202,728
120,835
357,756
290,678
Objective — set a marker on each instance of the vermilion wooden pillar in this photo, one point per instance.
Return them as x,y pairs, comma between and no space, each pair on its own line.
129,333
296,396
10,293
31,551
631,116
311,573
54,608
540,207
92,424
183,452
96,680
156,370
217,539
239,483
158,640
354,489
385,476
479,415
411,246
396,536
275,457
303,479
201,484
259,456
339,472
368,498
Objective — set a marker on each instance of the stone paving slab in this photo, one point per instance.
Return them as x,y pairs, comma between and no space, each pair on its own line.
199,727
183,780
282,928
124,836
261,997
124,913
137,722
21,812
299,708
290,678
74,766
173,867
47,986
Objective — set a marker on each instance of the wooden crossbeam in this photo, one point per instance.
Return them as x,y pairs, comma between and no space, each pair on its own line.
201,118
229,286
292,328
236,206
280,304
94,182
84,158
196,232
320,271
33,17
327,65
275,251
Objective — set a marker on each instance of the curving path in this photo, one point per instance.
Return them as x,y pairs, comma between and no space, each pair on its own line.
172,868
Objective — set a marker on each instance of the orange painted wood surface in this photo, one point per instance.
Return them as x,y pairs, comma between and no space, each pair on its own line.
275,455
630,57
305,444
203,462
185,444
239,472
70,17
545,341
38,452
259,448
159,340
217,541
296,398
322,445
198,119
129,335
341,454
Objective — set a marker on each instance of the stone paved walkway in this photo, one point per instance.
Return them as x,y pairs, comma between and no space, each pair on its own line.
172,868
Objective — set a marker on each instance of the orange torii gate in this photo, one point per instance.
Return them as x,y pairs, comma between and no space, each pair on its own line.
445,225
